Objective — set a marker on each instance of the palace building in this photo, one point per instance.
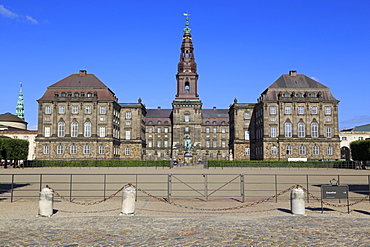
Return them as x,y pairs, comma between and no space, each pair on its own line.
79,117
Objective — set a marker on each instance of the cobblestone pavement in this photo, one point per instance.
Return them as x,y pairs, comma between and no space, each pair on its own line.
186,231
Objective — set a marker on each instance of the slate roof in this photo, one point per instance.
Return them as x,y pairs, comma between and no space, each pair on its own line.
80,83
298,83
361,128
215,113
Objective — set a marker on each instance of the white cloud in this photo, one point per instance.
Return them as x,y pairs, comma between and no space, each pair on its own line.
355,121
12,15
34,127
314,78
7,13
29,18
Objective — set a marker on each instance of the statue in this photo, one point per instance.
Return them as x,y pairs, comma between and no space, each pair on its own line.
188,145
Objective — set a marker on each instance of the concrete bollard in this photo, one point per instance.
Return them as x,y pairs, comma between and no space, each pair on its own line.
297,204
46,202
128,201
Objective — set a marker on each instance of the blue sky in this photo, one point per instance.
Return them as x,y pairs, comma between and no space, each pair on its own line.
241,48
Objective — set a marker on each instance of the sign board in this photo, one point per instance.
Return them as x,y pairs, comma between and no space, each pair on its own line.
334,191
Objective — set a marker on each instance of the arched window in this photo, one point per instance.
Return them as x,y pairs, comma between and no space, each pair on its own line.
73,149
286,95
87,129
159,122
315,150
299,95
214,122
74,129
246,115
60,149
288,130
77,94
207,122
302,150
301,132
187,87
61,129
314,130
150,122
289,150
273,150
89,94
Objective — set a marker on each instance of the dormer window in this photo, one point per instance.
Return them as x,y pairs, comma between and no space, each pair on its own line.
286,95
299,95
312,95
89,95
77,94
63,94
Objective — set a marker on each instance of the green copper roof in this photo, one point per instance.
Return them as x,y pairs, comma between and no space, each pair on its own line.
19,110
187,29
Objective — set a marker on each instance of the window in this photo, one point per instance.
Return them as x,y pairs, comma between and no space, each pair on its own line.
47,132
46,149
300,110
102,119
302,150
47,119
186,129
159,130
247,115
74,129
223,144
76,94
165,143
61,109
159,122
127,151
103,110
299,95
214,144
101,149
214,130
287,110
73,149
312,95
87,129
328,110
286,95
89,95
150,130
165,130
207,122
61,129
273,150
74,109
328,132
272,110
63,94
289,150
159,144
150,122
314,130
214,122
273,119
223,122
207,144
288,130
128,123
360,138
344,138
47,110
88,110
223,130
128,134
187,118
150,144
128,115
315,150
247,151
102,131
330,150
60,149
328,119
301,130
246,135
314,110
207,130
86,149
273,131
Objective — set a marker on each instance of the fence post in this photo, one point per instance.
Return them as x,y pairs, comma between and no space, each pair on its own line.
308,197
136,187
169,185
70,187
40,182
12,188
205,186
276,188
242,187
368,181
105,184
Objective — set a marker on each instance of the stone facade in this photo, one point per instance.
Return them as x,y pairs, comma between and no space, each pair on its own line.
295,118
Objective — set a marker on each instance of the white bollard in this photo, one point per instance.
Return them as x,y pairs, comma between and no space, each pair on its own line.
128,201
46,202
297,201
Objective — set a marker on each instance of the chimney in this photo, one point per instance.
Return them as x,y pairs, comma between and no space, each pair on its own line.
293,73
83,72
214,108
158,107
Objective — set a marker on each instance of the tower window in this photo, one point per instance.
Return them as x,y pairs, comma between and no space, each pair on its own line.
187,87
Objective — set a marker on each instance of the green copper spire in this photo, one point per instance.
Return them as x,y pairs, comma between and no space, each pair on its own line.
19,110
187,29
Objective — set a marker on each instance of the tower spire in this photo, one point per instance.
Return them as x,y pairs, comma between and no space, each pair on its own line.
19,110
187,77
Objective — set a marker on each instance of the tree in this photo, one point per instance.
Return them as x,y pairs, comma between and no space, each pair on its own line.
360,150
13,149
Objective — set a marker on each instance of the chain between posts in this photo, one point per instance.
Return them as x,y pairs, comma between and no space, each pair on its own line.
210,209
333,204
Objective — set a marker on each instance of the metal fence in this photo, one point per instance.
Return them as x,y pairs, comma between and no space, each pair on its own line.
240,187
